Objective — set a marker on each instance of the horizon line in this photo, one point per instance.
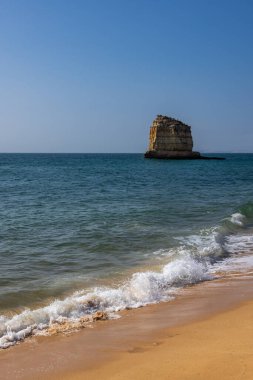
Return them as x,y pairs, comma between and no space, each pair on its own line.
113,153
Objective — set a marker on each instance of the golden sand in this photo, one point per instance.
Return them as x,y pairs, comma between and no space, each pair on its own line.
220,347
206,333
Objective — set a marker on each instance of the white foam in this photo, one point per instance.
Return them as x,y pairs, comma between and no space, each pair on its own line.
195,259
238,219
241,263
206,245
239,244
141,289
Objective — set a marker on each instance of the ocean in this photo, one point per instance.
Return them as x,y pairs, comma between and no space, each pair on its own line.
82,233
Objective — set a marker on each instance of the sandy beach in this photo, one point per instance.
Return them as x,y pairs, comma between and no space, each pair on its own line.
219,347
205,333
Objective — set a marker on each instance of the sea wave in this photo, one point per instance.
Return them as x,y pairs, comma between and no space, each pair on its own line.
192,261
238,219
141,289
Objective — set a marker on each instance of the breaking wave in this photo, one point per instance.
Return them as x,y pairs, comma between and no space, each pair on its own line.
238,219
195,259
141,289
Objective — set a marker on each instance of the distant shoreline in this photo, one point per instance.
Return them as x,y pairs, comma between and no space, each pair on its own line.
112,153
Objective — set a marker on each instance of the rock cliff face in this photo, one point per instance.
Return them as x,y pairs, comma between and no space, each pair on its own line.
170,138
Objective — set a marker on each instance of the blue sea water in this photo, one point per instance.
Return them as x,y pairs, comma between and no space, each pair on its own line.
87,232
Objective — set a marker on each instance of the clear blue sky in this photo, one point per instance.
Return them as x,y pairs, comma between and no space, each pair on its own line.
91,75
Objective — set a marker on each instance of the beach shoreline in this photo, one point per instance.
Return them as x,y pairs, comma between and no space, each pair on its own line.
217,347
106,348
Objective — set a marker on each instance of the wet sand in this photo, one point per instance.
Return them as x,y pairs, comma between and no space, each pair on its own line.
206,332
218,348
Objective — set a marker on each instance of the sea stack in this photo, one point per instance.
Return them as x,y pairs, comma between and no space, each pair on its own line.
170,138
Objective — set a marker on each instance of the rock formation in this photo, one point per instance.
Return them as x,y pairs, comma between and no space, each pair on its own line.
170,138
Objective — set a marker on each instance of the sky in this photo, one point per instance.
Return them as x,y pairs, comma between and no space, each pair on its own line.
91,75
